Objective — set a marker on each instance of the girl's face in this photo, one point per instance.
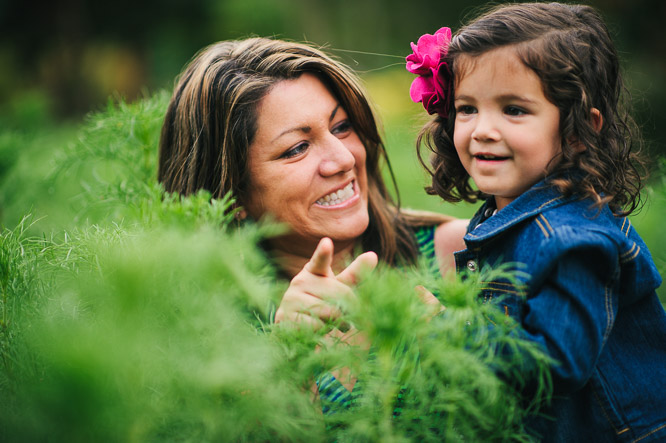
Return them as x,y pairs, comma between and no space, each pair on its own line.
307,167
506,131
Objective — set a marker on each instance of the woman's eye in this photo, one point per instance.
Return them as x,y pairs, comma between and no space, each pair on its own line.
296,150
342,129
514,110
466,109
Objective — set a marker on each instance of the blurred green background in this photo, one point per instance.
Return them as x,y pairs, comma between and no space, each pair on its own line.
62,60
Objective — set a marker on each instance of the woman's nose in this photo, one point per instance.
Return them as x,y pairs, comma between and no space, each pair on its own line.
485,128
336,157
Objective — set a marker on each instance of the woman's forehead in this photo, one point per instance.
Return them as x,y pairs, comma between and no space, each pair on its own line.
295,104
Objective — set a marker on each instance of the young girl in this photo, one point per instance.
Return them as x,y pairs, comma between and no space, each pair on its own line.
528,98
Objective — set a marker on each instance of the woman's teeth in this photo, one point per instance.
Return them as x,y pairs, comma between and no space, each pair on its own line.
337,197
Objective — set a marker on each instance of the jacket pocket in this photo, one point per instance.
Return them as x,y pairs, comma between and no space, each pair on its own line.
509,298
609,407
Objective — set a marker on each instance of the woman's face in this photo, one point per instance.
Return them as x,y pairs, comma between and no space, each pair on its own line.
307,166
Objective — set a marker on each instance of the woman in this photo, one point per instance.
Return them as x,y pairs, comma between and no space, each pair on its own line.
219,134
289,132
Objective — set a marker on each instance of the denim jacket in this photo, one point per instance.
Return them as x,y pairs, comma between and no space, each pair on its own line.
586,296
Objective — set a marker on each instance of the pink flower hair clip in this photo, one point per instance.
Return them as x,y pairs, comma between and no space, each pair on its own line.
432,87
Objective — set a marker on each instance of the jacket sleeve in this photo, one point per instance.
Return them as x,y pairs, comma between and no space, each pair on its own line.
572,302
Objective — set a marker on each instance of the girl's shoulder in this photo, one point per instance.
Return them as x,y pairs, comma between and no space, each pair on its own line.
601,240
581,215
577,226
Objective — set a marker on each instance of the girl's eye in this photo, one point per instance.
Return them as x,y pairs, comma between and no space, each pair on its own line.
466,109
514,111
296,150
342,129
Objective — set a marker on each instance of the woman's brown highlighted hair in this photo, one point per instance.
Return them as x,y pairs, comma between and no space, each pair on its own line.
212,119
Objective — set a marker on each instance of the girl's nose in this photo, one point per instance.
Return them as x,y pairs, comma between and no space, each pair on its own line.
336,157
485,128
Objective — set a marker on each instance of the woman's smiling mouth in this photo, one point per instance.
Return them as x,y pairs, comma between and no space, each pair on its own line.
337,197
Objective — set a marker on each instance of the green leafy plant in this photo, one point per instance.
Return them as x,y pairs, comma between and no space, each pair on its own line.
148,318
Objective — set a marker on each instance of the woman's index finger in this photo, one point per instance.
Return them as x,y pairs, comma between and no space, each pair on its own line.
322,259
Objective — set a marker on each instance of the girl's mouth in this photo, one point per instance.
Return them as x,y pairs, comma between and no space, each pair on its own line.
337,197
489,157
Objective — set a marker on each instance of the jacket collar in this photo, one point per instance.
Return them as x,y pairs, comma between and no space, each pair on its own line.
538,198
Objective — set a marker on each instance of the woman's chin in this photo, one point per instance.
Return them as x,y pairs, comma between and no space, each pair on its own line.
350,229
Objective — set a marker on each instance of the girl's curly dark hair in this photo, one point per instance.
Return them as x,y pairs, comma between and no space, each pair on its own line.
570,48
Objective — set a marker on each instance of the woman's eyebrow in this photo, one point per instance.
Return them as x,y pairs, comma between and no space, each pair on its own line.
306,129
335,111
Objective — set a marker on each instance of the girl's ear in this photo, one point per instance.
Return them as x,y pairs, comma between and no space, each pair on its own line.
597,119
597,124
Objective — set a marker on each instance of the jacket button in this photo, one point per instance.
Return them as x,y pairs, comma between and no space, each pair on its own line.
471,265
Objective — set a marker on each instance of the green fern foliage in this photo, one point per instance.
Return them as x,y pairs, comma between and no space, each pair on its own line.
149,318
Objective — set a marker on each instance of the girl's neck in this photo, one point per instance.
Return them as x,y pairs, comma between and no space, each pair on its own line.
502,202
292,259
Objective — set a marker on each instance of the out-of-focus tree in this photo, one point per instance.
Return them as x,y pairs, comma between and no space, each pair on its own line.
76,53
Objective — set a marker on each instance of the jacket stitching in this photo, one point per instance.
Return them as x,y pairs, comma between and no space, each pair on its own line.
543,229
609,312
489,288
633,256
550,201
629,251
472,235
650,433
538,209
550,228
628,223
498,283
503,287
603,411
